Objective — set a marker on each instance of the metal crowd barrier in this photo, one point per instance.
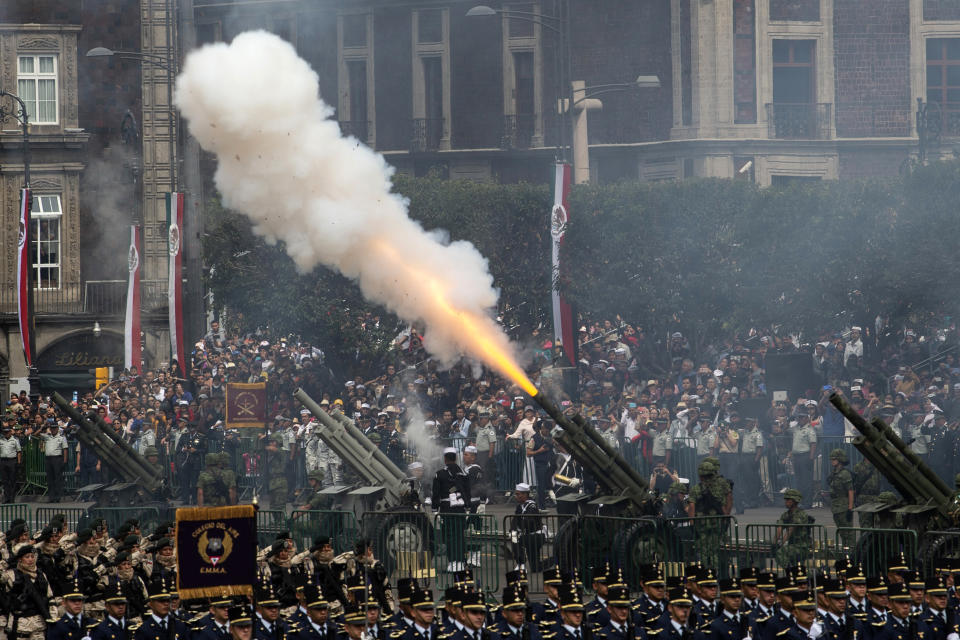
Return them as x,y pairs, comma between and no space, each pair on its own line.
403,541
149,517
340,526
10,512
463,541
269,524
715,542
775,547
539,541
874,548
73,516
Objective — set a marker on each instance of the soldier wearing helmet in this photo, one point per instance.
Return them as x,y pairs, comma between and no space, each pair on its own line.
216,486
315,499
712,496
841,495
793,538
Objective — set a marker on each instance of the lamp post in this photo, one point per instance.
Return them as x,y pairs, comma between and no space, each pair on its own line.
21,115
559,25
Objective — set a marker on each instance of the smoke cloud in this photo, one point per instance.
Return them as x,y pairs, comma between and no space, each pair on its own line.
283,162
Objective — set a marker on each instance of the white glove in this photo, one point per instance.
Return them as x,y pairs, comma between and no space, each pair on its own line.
428,501
515,539
953,636
481,508
575,483
815,630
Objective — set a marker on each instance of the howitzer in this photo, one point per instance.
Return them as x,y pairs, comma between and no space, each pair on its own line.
928,503
119,456
401,533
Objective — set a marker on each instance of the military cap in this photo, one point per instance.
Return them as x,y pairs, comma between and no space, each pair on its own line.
313,596
676,487
898,591
24,550
211,459
316,474
131,540
784,585
277,547
766,580
355,583
518,577
422,599
150,451
898,563
463,577
706,468
804,600
121,557
265,597
473,601
793,494
841,565
797,573
617,579
749,575
552,575
855,575
72,592
680,597
98,524
514,597
163,543
706,577
876,584
832,588
839,454
114,592
690,570
374,437
84,535
730,587
618,597
45,534
653,576
601,574
453,595
354,615
914,580
887,497
319,543
570,598
16,531
157,590
405,588
936,586
222,600
240,615
571,577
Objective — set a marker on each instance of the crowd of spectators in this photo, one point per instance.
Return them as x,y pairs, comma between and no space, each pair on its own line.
659,398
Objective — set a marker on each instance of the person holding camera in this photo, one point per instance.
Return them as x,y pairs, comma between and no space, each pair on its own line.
544,460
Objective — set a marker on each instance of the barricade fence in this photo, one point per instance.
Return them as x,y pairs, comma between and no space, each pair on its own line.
775,547
340,526
711,540
875,548
539,541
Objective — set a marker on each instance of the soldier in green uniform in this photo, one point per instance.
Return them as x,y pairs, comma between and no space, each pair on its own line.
866,487
216,487
274,468
887,519
792,541
316,500
841,494
712,496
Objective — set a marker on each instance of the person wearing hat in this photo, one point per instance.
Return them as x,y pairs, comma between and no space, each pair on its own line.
406,586
216,624
527,535
596,609
316,500
451,496
268,625
159,622
513,624
804,617
841,495
762,614
240,620
571,625
916,586
712,496
897,621
933,621
803,451
751,459
72,625
730,623
877,597
617,623
676,504
474,614
29,592
275,465
318,625
424,611
55,459
856,583
836,622
354,622
792,538
115,625
475,478
216,485
548,611
748,589
11,456
676,623
485,441
705,595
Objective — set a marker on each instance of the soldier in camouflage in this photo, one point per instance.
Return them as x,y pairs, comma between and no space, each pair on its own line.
216,486
793,541
866,487
274,469
316,500
841,495
713,496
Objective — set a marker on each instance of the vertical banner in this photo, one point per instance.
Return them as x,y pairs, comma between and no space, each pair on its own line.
246,405
216,551
131,325
24,310
175,282
563,331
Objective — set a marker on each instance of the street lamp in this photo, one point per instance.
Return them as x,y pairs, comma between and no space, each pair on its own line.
21,115
560,26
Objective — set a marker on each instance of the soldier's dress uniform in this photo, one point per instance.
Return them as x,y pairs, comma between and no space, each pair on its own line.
188,463
618,596
112,629
451,495
703,610
420,598
514,597
793,631
28,596
936,625
207,628
70,627
570,600
153,627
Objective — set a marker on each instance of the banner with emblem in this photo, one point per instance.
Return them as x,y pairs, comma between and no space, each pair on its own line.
24,310
563,332
216,551
175,279
246,405
131,324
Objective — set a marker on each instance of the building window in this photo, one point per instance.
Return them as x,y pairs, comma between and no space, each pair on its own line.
943,74
354,30
794,112
357,87
208,33
37,87
744,62
433,102
45,215
522,25
429,26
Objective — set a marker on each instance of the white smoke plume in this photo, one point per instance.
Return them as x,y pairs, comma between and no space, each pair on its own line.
283,163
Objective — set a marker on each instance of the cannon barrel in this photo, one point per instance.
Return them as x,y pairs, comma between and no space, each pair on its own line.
136,460
130,464
890,455
590,450
342,435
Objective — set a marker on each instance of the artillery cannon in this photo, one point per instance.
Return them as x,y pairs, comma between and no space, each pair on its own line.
928,504
139,475
623,492
386,488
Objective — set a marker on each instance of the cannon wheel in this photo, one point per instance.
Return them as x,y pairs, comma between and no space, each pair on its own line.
640,544
402,535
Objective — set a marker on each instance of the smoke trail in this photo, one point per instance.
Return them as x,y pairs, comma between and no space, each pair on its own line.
283,163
